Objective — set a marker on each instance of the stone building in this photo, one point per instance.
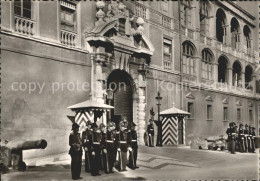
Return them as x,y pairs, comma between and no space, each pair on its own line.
199,55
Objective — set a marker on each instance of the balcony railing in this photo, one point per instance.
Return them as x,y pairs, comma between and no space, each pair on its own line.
140,10
68,38
24,26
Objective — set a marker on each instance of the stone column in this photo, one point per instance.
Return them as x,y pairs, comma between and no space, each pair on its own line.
243,80
229,80
141,109
227,35
215,72
198,69
254,84
99,82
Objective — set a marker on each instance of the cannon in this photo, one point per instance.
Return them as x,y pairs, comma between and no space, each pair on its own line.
216,142
14,150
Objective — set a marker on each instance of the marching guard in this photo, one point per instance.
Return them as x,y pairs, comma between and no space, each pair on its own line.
110,145
231,132
150,132
86,137
134,146
75,152
95,150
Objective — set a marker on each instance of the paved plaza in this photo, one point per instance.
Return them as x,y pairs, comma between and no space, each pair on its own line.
166,163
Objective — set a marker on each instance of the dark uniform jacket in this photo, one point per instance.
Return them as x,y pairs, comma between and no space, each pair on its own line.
96,138
150,129
133,138
123,141
86,138
103,140
75,144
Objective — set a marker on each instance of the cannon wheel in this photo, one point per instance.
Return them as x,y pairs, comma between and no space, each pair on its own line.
22,166
222,148
215,147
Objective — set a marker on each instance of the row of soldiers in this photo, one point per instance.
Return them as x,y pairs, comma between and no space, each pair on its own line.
241,139
104,147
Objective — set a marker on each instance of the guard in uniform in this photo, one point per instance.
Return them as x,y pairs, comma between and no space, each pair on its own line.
252,137
104,157
247,143
75,152
241,138
95,150
110,145
230,131
86,137
134,146
150,132
123,145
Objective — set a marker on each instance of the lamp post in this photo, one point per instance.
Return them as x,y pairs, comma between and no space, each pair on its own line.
110,96
159,135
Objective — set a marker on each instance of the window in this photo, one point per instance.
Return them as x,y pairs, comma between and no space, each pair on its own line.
23,8
225,113
185,13
251,116
237,74
247,37
167,54
188,58
235,38
220,25
191,109
207,65
68,16
209,112
121,28
238,114
222,69
204,18
248,77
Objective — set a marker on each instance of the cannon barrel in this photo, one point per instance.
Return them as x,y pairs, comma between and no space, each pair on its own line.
27,145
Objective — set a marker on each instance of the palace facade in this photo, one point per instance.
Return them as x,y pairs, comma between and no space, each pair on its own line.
201,56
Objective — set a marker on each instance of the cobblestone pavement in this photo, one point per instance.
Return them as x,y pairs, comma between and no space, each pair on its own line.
156,163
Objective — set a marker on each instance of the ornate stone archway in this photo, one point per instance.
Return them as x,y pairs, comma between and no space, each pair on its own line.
117,41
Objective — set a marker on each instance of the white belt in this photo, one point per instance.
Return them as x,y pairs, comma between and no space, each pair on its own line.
233,133
242,134
110,141
96,143
134,140
246,135
122,141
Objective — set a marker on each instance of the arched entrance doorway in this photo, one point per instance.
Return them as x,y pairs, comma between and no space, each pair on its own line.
122,85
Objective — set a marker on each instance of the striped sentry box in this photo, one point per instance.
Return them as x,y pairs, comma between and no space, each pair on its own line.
82,117
170,131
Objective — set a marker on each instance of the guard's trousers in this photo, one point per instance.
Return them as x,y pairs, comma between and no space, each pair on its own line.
76,161
95,160
111,155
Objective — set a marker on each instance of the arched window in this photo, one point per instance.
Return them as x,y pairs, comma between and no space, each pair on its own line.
236,74
248,77
222,69
207,64
247,38
185,10
204,18
220,25
188,52
235,39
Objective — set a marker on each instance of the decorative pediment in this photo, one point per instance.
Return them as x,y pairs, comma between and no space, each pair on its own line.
225,101
209,98
117,26
238,103
250,104
190,96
